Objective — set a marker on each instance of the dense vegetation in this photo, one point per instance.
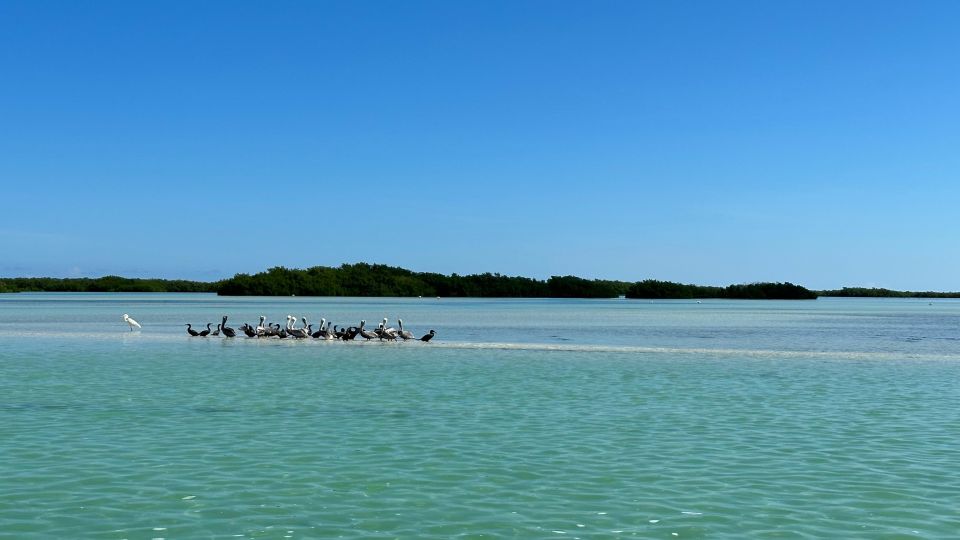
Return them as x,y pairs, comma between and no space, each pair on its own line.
887,293
364,279
380,280
103,284
652,288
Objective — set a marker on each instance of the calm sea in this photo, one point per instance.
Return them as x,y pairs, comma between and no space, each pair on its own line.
522,419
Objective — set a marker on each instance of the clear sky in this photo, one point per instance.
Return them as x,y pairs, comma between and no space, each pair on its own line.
707,142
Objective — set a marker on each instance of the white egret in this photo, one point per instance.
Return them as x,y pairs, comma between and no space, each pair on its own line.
133,324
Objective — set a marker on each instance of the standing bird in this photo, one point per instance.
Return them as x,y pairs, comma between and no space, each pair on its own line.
330,333
365,334
191,331
324,331
404,334
270,331
216,332
428,336
205,333
133,324
227,331
319,333
248,330
291,323
390,334
387,333
298,333
293,331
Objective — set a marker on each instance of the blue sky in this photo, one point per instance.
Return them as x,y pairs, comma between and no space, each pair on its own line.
705,142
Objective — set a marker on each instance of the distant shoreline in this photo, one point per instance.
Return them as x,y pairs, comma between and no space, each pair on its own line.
370,280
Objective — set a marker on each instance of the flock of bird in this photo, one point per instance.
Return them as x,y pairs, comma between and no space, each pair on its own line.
270,330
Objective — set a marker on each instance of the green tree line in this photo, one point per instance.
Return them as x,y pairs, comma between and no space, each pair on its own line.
103,284
652,288
364,279
886,293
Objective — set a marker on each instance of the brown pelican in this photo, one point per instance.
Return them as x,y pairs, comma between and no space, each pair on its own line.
271,331
404,334
387,332
298,333
293,331
324,331
227,331
365,334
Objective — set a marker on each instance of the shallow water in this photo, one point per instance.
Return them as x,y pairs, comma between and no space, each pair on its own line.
523,419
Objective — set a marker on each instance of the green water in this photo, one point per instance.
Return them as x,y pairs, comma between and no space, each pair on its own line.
108,434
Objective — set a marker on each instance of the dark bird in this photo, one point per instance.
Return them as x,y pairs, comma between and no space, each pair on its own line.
428,336
205,333
191,331
216,332
248,330
227,331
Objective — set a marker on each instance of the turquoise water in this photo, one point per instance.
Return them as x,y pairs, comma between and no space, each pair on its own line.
524,419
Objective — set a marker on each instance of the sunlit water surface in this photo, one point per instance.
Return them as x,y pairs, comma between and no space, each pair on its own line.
522,419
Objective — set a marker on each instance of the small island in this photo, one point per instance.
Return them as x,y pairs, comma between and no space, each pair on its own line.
378,280
652,288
